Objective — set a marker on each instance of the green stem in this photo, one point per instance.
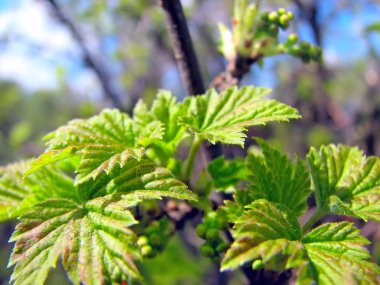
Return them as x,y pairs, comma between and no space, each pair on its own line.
312,220
191,157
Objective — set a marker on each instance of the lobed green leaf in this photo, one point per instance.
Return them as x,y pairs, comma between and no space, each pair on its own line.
226,174
19,194
165,110
337,255
13,190
103,143
266,231
346,181
274,177
224,117
267,234
88,225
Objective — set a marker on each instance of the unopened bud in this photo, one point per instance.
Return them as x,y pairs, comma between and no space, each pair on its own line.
292,38
273,16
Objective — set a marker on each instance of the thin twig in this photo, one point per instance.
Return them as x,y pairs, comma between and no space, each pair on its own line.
89,60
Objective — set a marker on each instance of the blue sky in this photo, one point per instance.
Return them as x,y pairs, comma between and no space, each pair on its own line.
37,47
42,46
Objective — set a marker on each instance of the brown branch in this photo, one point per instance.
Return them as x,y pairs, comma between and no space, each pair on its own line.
89,60
183,47
234,72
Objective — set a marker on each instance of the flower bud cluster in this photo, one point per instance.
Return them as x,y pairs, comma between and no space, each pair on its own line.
210,231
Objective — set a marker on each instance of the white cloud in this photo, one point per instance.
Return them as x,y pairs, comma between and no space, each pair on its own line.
31,21
31,73
37,46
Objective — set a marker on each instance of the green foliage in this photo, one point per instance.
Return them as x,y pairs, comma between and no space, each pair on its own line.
275,178
86,219
103,142
346,181
226,174
224,117
88,225
269,235
375,27
13,190
166,110
91,199
18,194
93,240
337,254
268,232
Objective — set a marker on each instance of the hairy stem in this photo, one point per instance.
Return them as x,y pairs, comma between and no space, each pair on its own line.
183,47
312,220
189,164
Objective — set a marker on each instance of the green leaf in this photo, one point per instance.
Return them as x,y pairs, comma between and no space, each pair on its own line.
273,176
93,240
103,142
13,190
18,194
267,232
337,255
147,180
226,174
224,117
88,225
375,27
165,110
346,181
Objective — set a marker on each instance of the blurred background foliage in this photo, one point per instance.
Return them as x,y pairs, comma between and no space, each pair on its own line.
64,59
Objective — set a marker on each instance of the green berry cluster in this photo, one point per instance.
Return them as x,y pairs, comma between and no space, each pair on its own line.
210,230
303,50
155,236
271,22
255,35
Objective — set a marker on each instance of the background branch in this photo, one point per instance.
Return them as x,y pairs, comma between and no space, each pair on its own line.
183,47
88,59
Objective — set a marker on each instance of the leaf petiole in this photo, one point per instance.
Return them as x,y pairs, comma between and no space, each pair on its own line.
312,220
189,163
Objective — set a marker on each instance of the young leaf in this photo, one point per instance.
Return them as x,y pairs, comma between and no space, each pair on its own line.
345,181
224,117
337,255
18,194
275,178
93,239
165,110
13,190
146,180
267,232
87,227
103,142
226,174
269,235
